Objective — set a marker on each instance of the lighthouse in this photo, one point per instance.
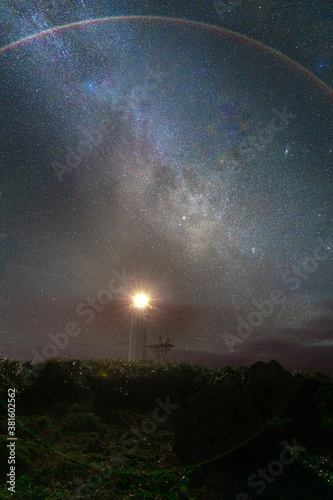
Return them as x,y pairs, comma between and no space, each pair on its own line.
138,337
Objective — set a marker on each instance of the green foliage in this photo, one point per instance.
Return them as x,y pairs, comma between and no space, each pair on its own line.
9,373
322,465
71,415
81,422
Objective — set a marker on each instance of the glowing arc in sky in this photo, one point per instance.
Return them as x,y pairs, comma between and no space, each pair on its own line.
248,40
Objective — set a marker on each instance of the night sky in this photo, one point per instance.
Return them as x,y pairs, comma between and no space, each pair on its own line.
187,155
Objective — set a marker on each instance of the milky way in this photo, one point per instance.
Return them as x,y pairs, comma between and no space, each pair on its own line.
198,160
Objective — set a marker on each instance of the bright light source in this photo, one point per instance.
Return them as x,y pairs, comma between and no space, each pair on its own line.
141,300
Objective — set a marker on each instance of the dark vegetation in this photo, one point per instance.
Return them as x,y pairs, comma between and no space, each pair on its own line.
71,416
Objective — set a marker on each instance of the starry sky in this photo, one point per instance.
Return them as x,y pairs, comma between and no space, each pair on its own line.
188,149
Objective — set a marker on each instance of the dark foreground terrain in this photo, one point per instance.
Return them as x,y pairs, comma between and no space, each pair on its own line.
118,430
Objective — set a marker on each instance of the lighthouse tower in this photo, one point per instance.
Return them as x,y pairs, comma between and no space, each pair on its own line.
138,338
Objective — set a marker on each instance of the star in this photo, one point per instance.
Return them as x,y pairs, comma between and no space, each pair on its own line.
137,143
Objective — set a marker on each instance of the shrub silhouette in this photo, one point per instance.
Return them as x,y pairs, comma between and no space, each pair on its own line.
222,417
73,413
